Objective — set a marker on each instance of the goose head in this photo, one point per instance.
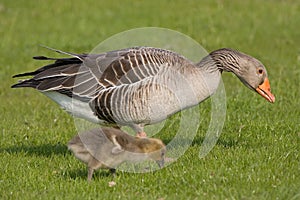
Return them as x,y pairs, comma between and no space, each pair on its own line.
249,70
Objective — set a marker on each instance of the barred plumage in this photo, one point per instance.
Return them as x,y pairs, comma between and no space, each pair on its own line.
141,85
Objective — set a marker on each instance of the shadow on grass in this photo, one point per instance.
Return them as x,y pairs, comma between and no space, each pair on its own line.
226,143
198,141
61,149
55,149
83,173
40,150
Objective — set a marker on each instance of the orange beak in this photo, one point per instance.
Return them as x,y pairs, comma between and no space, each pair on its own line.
265,91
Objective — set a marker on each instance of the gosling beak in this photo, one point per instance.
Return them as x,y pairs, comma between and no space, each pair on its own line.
265,91
161,163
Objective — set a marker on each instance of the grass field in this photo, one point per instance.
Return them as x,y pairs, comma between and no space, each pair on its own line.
258,153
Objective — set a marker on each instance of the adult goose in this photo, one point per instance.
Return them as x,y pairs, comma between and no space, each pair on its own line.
141,85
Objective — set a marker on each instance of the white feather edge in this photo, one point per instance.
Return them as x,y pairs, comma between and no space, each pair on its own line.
117,149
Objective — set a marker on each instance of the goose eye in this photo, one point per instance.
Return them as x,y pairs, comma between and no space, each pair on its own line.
260,71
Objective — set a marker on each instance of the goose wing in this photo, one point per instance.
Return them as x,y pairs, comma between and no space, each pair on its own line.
83,76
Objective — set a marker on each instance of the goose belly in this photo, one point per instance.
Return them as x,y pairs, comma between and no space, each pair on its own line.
73,106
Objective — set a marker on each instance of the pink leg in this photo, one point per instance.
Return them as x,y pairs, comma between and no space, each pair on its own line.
141,134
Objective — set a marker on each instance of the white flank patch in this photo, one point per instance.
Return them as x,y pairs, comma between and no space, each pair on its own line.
73,106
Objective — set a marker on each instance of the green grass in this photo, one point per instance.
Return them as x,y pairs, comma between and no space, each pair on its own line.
258,153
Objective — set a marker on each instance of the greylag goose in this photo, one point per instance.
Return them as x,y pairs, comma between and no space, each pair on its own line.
141,85
109,147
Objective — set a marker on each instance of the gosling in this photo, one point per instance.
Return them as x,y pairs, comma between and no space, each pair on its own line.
107,148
